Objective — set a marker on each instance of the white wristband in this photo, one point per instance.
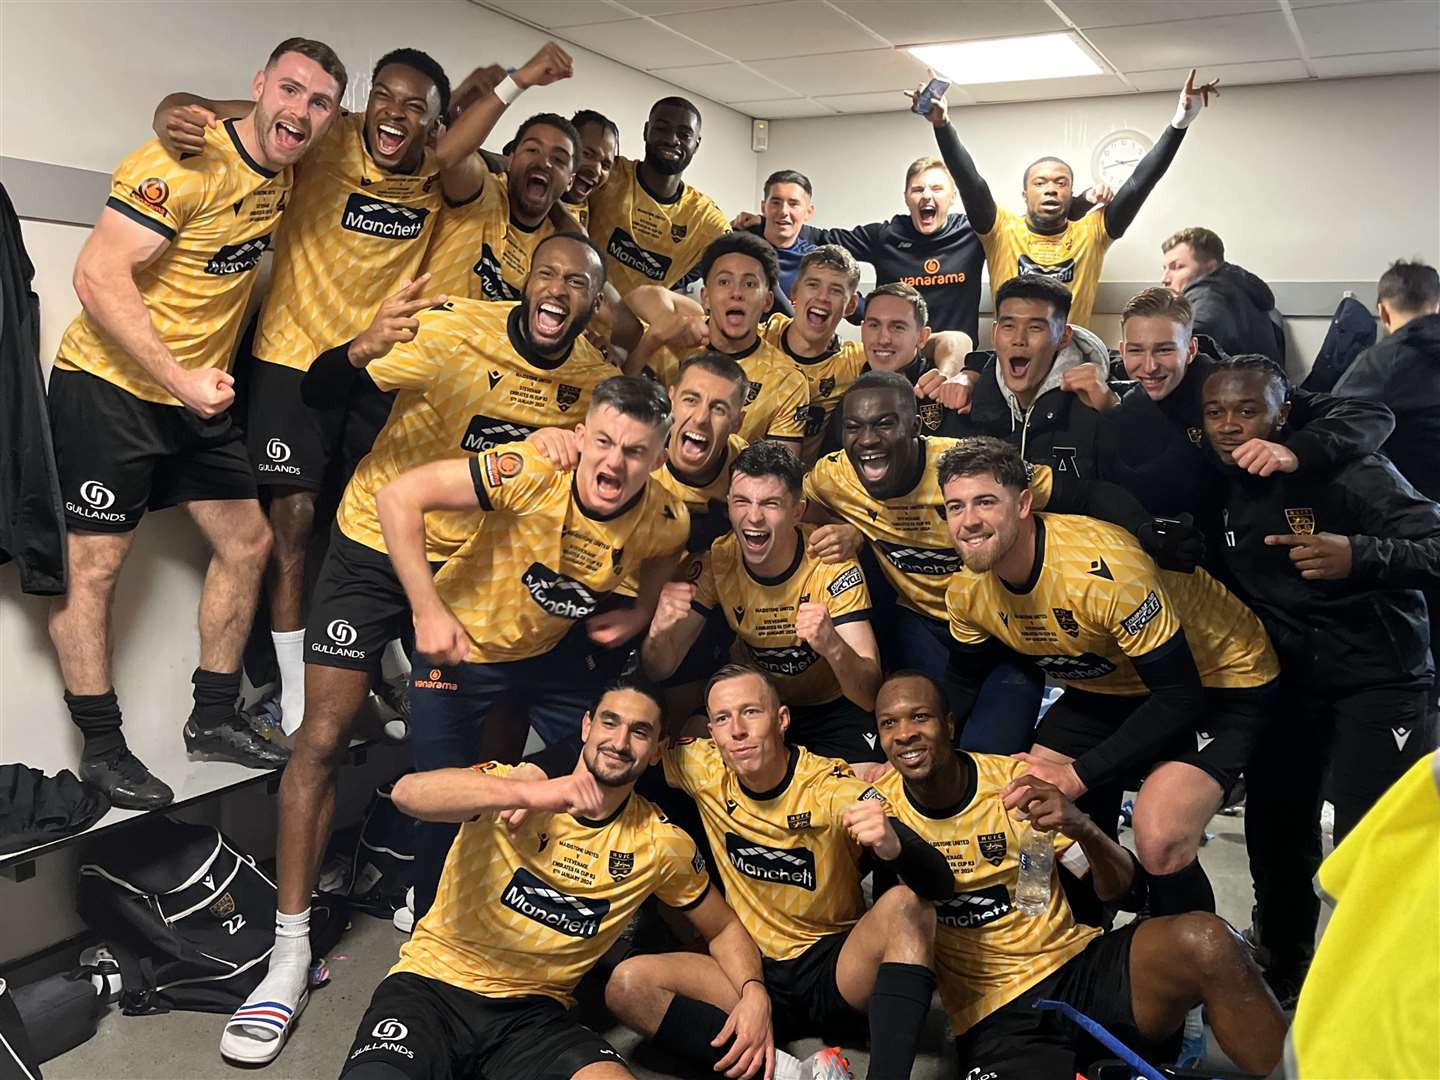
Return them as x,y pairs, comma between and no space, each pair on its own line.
1184,115
507,90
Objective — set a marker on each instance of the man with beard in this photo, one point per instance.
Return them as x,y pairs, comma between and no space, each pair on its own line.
599,150
798,833
491,223
651,225
739,273
359,219
1233,307
524,913
468,376
1333,563
140,395
1048,239
1154,439
1168,676
993,962
805,622
884,489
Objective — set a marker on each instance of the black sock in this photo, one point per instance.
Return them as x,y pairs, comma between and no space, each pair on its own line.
98,718
1185,890
687,1028
898,1007
215,698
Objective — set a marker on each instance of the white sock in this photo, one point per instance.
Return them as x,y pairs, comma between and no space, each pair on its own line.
289,969
788,1066
290,652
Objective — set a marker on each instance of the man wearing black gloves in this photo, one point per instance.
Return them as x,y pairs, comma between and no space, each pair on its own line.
1045,240
1232,306
1332,561
1154,439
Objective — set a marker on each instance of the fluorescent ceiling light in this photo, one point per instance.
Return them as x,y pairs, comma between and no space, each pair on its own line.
1013,59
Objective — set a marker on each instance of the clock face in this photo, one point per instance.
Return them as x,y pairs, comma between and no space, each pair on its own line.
1117,155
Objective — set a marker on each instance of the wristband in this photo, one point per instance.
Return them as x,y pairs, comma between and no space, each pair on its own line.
507,90
747,982
1183,114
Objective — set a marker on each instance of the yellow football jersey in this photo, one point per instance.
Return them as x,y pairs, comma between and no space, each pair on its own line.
907,533
761,611
1096,600
531,911
1072,257
218,210
479,250
647,241
353,234
791,869
987,952
776,401
539,561
580,212
467,383
827,377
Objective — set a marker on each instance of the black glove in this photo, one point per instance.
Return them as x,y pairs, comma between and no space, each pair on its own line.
1174,543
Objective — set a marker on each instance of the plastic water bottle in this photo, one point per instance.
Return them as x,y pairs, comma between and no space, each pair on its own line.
1037,860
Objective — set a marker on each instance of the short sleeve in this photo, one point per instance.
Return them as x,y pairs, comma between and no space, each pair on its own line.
1140,616
957,600
843,788
665,365
706,594
667,529
792,407
417,364
689,763
513,477
1042,485
683,877
847,597
153,189
818,480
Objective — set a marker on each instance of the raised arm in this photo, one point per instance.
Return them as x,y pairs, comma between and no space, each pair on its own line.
180,120
458,795
975,193
401,505
1133,193
849,648
673,630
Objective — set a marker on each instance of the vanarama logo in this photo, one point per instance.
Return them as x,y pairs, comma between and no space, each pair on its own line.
434,682
342,636
933,276
98,500
278,451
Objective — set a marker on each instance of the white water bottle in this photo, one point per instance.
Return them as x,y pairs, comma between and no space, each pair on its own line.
1037,860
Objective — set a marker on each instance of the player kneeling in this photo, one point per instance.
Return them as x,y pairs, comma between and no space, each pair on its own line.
994,962
525,910
797,832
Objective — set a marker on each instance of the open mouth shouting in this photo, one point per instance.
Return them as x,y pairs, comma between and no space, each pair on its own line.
1016,367
536,187
929,215
735,322
389,139
549,319
873,466
755,543
693,449
609,486
817,316
289,136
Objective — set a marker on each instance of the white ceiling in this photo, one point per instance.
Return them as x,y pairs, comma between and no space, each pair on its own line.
803,58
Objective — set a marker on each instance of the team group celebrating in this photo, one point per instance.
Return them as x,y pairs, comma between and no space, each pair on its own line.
822,583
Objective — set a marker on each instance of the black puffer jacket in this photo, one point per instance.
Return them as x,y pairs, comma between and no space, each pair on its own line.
1367,630
1233,306
1403,372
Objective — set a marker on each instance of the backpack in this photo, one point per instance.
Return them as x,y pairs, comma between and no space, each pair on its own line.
1352,331
382,867
189,918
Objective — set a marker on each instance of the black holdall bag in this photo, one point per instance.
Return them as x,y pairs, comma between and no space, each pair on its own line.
189,918
382,868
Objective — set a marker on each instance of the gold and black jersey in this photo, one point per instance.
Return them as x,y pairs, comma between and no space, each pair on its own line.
709,515
479,250
1095,601
987,952
762,611
777,397
648,241
908,533
827,377
217,209
1072,257
540,561
580,212
530,911
352,235
790,868
467,383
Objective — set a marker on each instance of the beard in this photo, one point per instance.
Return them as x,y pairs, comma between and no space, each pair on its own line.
574,330
665,167
606,776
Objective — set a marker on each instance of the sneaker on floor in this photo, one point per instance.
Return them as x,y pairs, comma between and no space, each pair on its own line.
234,741
404,917
828,1064
126,782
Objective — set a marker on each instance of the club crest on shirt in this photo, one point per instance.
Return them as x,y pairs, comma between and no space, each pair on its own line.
798,821
566,395
621,863
1196,434
677,232
1065,619
1301,520
930,415
827,386
752,391
992,847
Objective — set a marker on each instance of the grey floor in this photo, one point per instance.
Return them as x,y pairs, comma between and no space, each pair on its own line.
184,1046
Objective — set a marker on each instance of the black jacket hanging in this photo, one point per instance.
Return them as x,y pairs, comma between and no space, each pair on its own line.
32,523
